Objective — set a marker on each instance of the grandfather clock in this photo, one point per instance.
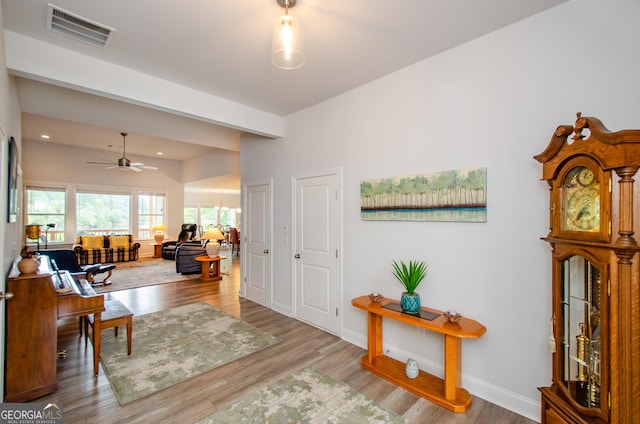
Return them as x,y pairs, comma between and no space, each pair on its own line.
594,215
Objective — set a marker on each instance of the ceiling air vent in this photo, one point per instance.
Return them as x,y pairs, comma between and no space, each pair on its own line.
77,27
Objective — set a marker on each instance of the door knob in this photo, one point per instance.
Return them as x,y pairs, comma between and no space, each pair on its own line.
6,296
265,251
297,256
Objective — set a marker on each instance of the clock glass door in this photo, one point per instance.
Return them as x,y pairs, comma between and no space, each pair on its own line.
581,352
581,201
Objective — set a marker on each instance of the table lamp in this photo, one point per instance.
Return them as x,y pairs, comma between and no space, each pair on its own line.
159,228
213,235
33,233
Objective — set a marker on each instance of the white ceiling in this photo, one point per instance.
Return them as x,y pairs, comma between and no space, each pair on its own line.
222,48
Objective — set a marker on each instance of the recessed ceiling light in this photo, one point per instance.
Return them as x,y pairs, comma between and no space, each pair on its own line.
45,136
159,153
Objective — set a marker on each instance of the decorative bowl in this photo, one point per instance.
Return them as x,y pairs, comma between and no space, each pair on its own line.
376,297
452,316
28,265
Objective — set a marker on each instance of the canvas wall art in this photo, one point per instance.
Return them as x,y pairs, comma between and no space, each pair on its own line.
458,196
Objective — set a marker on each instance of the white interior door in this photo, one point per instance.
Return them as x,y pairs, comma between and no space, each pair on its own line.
256,235
316,250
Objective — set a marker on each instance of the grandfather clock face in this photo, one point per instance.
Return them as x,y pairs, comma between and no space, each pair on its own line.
581,201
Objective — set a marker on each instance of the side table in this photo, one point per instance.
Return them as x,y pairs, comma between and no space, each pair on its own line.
157,249
210,267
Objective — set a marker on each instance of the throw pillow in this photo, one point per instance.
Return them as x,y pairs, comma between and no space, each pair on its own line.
92,242
119,241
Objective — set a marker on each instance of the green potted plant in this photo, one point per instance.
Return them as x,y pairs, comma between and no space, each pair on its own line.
410,276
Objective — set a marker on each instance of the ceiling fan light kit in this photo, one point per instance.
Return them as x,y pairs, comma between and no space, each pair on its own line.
286,45
124,163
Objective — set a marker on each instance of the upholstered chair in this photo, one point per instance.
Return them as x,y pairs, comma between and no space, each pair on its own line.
186,254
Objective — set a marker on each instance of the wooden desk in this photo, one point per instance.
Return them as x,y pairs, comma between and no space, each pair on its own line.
210,268
444,392
157,249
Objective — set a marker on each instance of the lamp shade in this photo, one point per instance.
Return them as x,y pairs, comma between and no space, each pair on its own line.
33,231
286,45
159,227
213,233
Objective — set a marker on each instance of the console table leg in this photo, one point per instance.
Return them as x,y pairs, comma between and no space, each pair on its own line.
452,366
375,336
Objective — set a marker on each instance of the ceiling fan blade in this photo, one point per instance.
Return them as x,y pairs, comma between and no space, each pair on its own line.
142,165
133,168
111,167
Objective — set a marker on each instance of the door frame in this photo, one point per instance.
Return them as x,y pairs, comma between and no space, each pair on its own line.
337,171
243,263
4,264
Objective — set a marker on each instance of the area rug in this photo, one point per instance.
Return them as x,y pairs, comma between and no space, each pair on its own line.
174,345
308,396
141,273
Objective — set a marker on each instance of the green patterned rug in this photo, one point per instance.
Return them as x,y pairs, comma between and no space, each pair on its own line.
309,397
174,345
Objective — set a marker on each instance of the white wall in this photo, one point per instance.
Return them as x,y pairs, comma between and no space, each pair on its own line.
10,123
212,198
216,163
493,102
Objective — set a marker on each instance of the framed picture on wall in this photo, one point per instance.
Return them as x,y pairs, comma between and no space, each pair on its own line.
458,195
12,200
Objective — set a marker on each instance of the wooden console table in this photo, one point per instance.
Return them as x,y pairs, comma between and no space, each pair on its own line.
207,274
444,392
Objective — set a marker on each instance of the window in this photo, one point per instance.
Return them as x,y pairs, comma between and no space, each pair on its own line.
47,206
103,213
190,214
208,217
150,212
228,217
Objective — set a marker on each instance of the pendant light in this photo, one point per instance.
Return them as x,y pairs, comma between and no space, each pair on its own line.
286,45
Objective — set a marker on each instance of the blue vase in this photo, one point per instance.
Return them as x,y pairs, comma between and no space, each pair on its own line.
410,303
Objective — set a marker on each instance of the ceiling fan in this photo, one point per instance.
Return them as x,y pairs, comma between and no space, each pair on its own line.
124,163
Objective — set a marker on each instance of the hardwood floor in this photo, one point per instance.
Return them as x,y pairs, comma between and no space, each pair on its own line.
89,399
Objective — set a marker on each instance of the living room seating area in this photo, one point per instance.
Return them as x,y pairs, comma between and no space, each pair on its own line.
91,249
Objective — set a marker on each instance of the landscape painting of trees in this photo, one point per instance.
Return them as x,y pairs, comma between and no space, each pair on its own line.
458,195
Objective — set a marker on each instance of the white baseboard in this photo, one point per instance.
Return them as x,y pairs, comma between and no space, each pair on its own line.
529,408
283,309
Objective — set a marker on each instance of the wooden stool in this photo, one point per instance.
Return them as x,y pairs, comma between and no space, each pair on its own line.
115,315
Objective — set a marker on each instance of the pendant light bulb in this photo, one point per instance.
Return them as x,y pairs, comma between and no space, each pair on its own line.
286,45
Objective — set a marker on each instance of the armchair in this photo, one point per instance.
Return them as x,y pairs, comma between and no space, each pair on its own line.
186,254
188,234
